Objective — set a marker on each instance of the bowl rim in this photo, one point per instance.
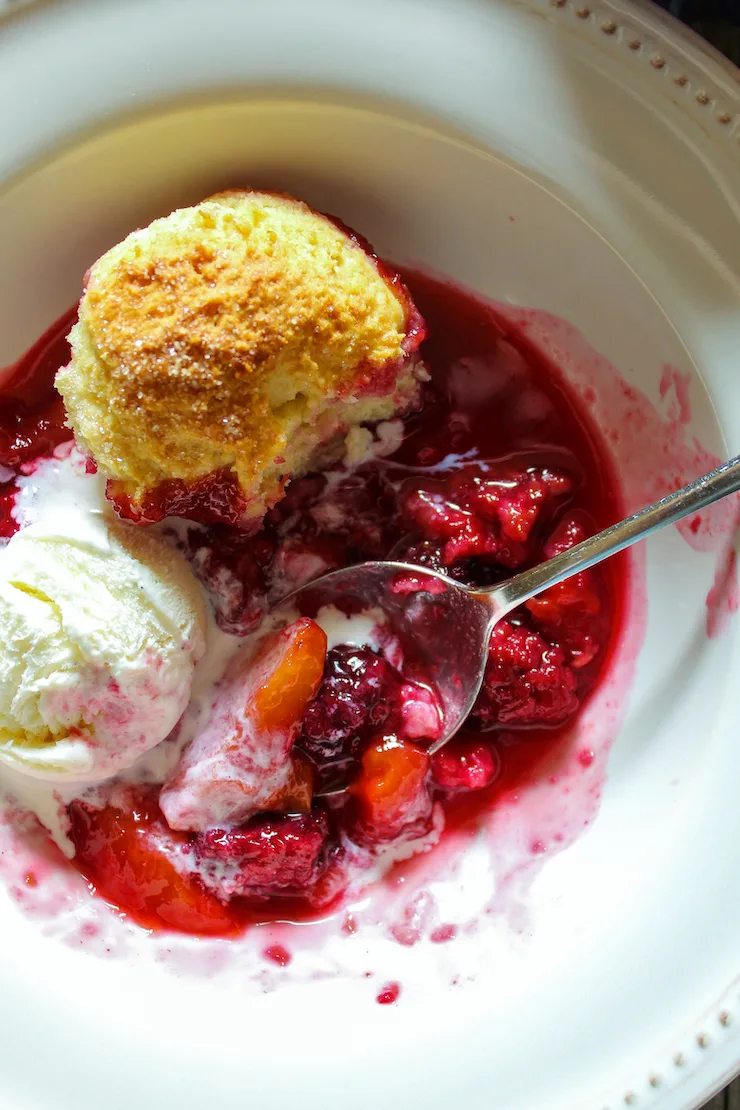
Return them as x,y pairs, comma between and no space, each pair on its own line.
709,95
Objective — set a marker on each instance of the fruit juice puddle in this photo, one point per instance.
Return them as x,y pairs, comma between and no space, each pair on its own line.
518,404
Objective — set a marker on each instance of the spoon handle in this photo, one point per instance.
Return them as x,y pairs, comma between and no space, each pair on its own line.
704,491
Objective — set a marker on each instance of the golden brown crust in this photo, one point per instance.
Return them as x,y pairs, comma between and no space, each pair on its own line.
211,338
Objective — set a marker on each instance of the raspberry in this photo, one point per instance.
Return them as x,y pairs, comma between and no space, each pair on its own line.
360,509
567,534
568,612
471,515
515,502
353,697
429,555
461,532
465,764
527,681
272,855
298,561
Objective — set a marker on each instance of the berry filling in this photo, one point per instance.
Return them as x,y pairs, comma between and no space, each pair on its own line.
498,471
359,692
216,497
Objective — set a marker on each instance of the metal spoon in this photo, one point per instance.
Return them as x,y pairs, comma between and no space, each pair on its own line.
448,626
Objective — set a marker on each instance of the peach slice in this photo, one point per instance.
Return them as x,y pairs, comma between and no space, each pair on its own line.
241,763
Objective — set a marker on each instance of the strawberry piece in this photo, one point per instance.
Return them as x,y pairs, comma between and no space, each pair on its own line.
241,762
130,855
391,791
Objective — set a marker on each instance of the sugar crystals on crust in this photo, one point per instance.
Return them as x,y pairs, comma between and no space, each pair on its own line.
222,349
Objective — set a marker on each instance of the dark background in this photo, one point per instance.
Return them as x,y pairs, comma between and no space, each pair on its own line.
716,20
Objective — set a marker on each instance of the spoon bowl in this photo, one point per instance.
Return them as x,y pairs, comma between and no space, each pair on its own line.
425,609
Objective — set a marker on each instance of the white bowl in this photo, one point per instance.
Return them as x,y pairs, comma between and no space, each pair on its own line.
611,137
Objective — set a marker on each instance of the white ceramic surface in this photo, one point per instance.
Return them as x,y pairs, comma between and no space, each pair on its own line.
612,138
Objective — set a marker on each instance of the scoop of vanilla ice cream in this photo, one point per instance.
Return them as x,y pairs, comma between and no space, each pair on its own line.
101,626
